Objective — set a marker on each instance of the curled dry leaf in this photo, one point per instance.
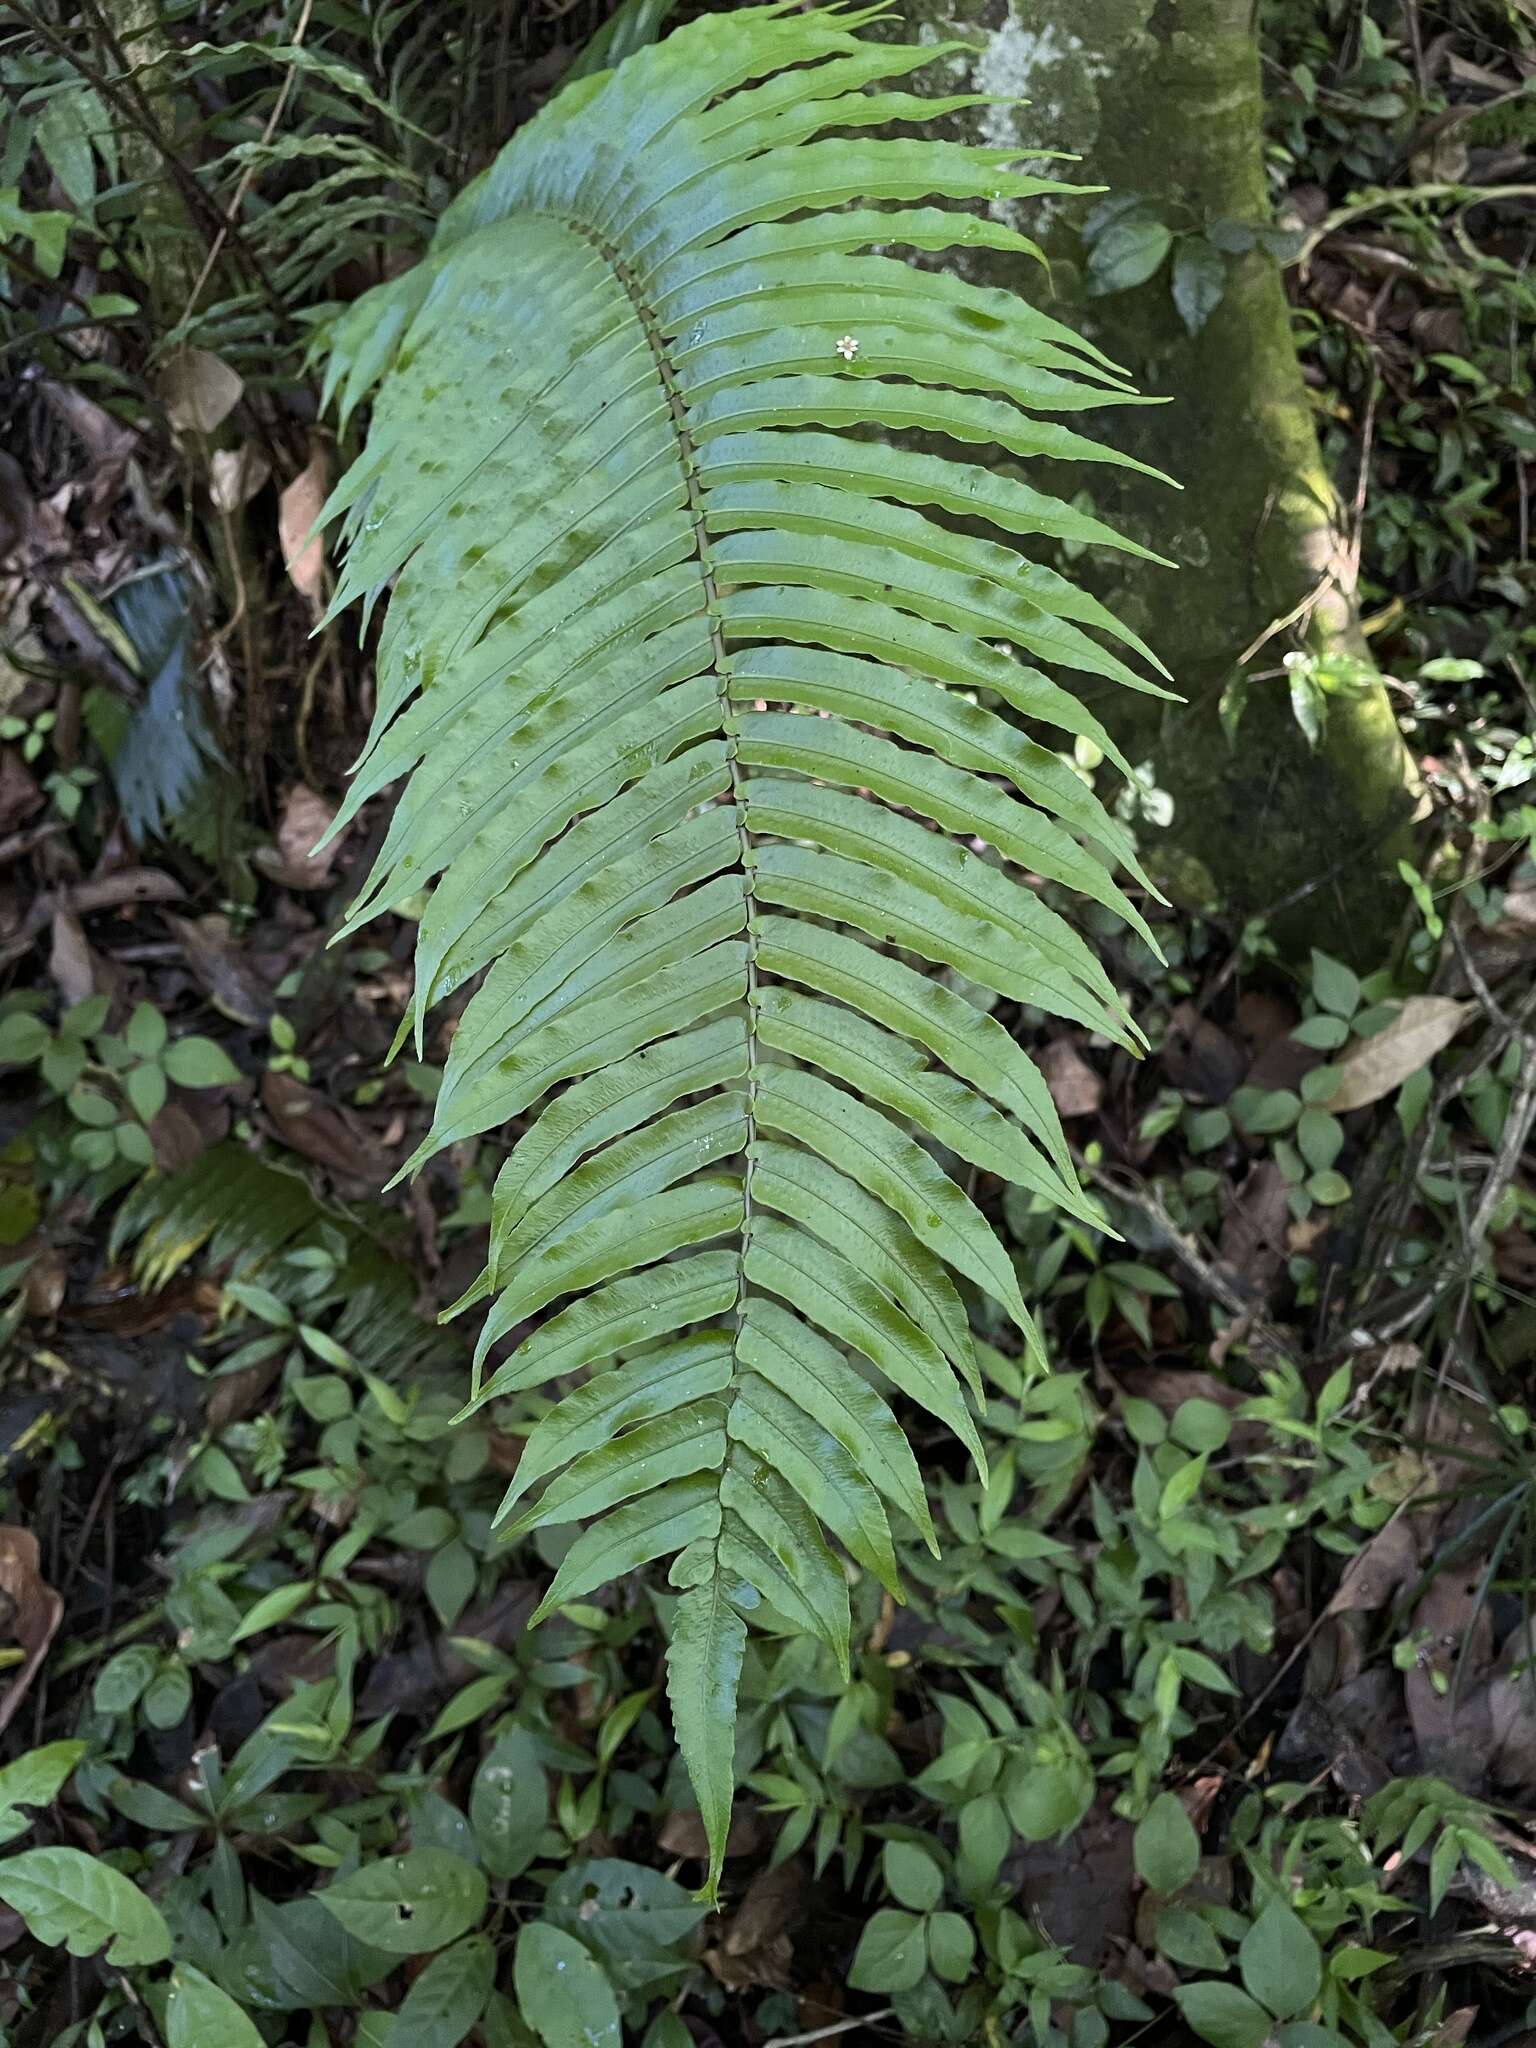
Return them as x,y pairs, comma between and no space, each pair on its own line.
755,1948
1424,1026
1074,1087
43,1289
305,1121
71,966
297,510
235,475
1378,1571
682,1833
296,863
199,390
30,1613
221,970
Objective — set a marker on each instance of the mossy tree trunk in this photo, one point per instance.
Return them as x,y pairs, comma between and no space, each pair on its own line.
1161,101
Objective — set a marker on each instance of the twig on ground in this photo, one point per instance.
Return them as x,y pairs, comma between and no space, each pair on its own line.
863,2019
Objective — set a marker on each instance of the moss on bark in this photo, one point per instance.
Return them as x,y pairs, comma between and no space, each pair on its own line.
1161,98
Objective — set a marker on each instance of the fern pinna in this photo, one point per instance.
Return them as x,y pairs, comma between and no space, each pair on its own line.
704,700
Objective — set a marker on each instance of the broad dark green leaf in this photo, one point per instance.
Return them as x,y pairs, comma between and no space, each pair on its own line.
562,1992
199,2015
509,1804
1281,1964
447,1999
408,1905
75,1901
634,1918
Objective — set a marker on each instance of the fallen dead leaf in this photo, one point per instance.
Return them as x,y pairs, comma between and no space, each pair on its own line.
756,1948
70,964
235,475
410,1681
1446,1692
1307,1233
296,863
1281,1063
1253,1230
1075,1088
297,510
177,1138
43,1288
1262,1017
1199,1058
1456,2026
1514,1258
1512,1709
115,1302
20,797
1379,1570
199,390
682,1834
221,970
30,1613
307,1123
1424,1026
1080,1890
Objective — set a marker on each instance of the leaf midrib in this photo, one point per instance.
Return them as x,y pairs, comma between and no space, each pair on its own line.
729,717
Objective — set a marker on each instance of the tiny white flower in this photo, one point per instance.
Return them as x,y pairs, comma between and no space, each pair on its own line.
847,348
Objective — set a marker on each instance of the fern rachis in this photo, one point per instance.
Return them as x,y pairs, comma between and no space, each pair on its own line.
690,677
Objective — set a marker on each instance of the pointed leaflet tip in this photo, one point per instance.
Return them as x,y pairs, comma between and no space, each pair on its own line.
703,1670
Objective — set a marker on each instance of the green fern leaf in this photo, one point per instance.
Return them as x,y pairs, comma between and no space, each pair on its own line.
709,717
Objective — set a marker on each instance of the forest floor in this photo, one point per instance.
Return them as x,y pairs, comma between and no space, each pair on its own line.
1215,1715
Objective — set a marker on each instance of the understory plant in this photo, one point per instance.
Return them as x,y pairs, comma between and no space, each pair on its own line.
728,707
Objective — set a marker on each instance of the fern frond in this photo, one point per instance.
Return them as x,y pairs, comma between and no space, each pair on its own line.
247,1215
704,704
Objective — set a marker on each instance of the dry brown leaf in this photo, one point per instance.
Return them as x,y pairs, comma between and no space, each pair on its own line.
70,965
1263,1017
105,439
43,1289
304,1120
1080,1890
682,1834
297,510
756,1947
199,390
221,969
30,1613
177,1138
1446,1692
1199,1058
1074,1086
1253,1230
296,863
1512,1709
20,797
1424,1026
1379,1569
235,475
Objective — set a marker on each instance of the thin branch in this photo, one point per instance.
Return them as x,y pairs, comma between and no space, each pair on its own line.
863,2019
1466,195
